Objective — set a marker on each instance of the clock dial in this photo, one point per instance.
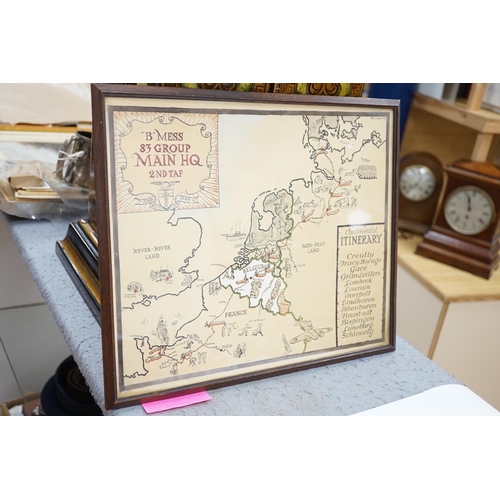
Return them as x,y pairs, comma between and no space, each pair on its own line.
469,210
417,183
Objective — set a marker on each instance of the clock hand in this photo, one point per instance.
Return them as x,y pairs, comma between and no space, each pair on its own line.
468,202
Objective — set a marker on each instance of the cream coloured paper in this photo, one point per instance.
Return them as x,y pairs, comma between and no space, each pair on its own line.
246,240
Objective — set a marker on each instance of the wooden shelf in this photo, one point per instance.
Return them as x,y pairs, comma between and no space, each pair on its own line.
481,120
446,282
468,114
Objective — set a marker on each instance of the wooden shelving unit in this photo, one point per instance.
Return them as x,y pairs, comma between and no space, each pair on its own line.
468,114
451,315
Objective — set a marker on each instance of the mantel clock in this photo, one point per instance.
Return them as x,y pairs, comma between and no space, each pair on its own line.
466,227
420,180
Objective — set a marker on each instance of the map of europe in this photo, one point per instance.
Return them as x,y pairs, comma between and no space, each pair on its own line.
229,239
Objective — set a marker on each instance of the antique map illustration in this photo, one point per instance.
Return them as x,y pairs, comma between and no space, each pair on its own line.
246,240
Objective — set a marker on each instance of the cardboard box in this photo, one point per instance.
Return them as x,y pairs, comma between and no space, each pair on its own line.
32,400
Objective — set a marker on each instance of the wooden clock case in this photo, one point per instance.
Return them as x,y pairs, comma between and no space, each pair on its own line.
479,253
416,216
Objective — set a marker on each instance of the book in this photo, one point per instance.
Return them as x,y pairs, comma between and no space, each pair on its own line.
330,89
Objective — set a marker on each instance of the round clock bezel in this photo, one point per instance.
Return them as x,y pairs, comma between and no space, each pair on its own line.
419,167
484,194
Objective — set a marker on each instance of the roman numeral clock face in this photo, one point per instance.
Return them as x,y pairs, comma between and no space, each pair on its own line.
469,210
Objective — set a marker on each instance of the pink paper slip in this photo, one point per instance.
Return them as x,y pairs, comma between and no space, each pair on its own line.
176,402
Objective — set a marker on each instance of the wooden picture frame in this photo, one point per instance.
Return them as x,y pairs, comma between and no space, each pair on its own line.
241,235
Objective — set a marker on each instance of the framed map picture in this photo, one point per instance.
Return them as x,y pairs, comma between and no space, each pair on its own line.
240,235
